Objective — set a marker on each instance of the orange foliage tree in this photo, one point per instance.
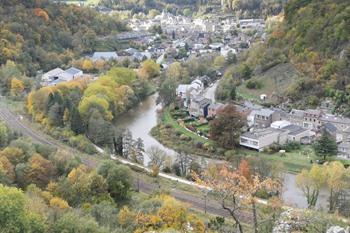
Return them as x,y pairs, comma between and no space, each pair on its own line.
236,188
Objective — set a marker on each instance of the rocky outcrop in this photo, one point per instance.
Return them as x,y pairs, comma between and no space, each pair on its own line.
338,229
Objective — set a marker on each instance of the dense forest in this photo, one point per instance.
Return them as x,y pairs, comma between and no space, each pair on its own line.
47,190
241,8
254,8
38,35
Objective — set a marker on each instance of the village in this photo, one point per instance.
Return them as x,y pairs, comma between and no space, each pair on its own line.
176,38
223,36
268,126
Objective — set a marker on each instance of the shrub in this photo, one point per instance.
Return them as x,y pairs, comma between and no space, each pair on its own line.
253,84
199,145
274,148
291,146
82,143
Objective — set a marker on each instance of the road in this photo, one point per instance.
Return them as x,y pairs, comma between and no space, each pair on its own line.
21,125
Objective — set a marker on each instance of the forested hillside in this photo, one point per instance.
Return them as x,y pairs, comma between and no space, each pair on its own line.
315,38
40,35
313,35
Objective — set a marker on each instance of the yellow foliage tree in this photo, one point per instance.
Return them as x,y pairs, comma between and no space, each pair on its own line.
17,87
59,203
149,69
88,65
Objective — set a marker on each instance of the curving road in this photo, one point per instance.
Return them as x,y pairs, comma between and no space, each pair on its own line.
21,125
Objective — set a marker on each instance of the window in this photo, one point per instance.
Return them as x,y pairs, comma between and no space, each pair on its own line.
244,140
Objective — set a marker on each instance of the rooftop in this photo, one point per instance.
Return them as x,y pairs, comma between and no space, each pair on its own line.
73,71
259,133
294,129
264,112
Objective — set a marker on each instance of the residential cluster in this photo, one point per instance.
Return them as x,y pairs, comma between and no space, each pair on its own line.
190,96
271,125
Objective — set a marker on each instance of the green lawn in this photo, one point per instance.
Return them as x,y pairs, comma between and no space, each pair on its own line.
169,120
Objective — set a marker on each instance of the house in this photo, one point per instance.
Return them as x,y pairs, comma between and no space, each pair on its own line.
298,134
225,51
199,106
74,72
56,76
296,117
344,150
51,75
341,124
312,119
104,56
332,131
264,117
186,91
280,124
262,138
281,134
213,109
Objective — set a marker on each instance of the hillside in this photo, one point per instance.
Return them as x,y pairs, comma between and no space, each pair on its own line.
40,35
313,36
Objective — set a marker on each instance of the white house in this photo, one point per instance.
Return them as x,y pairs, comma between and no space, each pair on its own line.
186,91
55,76
104,56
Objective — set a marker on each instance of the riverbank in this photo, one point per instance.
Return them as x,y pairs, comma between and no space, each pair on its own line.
173,135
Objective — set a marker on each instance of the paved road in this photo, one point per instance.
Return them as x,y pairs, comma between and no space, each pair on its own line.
21,125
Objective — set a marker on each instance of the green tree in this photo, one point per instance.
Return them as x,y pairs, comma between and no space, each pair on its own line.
99,130
325,146
167,92
73,223
4,134
55,115
76,123
15,217
119,179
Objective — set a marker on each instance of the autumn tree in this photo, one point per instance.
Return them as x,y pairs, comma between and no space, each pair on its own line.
17,87
225,129
149,69
40,170
157,157
236,188
177,72
310,182
337,180
87,65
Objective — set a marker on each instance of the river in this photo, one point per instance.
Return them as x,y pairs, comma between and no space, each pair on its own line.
141,119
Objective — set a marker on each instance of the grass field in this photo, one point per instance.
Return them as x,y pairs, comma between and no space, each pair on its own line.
274,81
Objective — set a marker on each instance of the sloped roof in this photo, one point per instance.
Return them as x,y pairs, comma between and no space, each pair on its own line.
104,55
73,71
